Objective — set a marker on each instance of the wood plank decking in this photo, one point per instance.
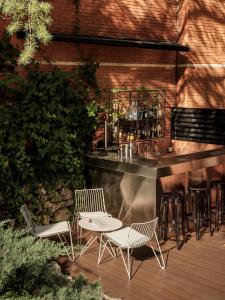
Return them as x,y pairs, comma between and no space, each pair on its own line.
197,271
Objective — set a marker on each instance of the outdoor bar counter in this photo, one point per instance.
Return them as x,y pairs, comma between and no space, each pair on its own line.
133,186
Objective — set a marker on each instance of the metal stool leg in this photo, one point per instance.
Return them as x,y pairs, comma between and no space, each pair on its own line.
209,212
164,223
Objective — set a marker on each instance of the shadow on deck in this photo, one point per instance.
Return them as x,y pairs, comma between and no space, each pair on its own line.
197,271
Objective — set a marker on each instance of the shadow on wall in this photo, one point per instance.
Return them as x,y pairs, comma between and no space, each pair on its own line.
135,19
201,75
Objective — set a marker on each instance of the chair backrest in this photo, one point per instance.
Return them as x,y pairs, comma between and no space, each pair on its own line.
89,200
27,216
142,233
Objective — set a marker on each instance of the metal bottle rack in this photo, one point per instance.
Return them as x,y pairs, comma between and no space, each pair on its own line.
137,116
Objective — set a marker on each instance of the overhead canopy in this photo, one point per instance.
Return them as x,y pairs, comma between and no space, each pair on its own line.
124,42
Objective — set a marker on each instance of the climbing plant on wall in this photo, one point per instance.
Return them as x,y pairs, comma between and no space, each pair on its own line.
46,128
33,18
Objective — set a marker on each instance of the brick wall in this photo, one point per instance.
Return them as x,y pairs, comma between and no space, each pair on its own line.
119,66
201,79
199,23
201,72
126,67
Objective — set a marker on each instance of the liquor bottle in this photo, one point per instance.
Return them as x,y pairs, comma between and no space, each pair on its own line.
143,133
115,132
154,109
135,134
133,112
139,132
153,131
128,136
144,115
131,136
158,130
148,132
120,135
159,110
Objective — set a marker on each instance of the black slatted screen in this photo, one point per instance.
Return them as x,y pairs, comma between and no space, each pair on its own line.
199,125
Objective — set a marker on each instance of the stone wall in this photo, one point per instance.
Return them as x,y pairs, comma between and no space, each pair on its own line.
56,205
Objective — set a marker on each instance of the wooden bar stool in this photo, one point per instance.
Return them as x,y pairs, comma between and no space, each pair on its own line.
200,201
219,206
172,215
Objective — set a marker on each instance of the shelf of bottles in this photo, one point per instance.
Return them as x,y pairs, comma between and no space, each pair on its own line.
137,115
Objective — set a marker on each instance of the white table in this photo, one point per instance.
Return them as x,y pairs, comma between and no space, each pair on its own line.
98,226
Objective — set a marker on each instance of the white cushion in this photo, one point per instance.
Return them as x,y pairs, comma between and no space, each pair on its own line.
52,229
94,214
127,237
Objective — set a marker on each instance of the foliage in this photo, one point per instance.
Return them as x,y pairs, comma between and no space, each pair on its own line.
28,272
33,18
46,126
8,55
44,136
9,83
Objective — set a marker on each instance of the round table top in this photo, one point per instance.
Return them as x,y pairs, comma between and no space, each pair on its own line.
101,224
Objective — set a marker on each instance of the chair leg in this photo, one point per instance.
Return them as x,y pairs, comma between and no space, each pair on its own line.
99,250
71,244
160,261
88,244
127,265
104,245
71,257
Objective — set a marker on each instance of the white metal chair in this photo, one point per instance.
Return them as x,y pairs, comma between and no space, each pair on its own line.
89,203
129,238
42,231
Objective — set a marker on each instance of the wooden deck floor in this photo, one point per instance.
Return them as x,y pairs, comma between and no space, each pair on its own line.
197,271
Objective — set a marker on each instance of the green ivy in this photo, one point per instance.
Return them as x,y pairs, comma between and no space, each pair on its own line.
46,128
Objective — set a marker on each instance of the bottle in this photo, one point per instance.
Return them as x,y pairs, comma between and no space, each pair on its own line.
128,136
115,132
159,110
131,136
143,133
158,130
135,134
144,113
139,133
133,110
153,131
120,135
154,110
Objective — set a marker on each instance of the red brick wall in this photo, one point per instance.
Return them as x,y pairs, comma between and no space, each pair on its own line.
119,18
201,80
201,72
127,67
200,75
119,66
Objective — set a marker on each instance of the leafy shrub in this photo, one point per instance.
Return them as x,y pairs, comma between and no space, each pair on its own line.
28,271
46,128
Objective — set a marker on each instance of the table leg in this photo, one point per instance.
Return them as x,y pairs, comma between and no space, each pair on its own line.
88,244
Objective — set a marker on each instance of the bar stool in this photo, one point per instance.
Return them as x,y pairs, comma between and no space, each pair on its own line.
172,212
199,200
219,207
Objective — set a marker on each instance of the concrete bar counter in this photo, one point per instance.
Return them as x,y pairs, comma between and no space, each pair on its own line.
133,186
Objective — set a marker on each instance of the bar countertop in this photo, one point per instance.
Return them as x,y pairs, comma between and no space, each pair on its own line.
158,167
